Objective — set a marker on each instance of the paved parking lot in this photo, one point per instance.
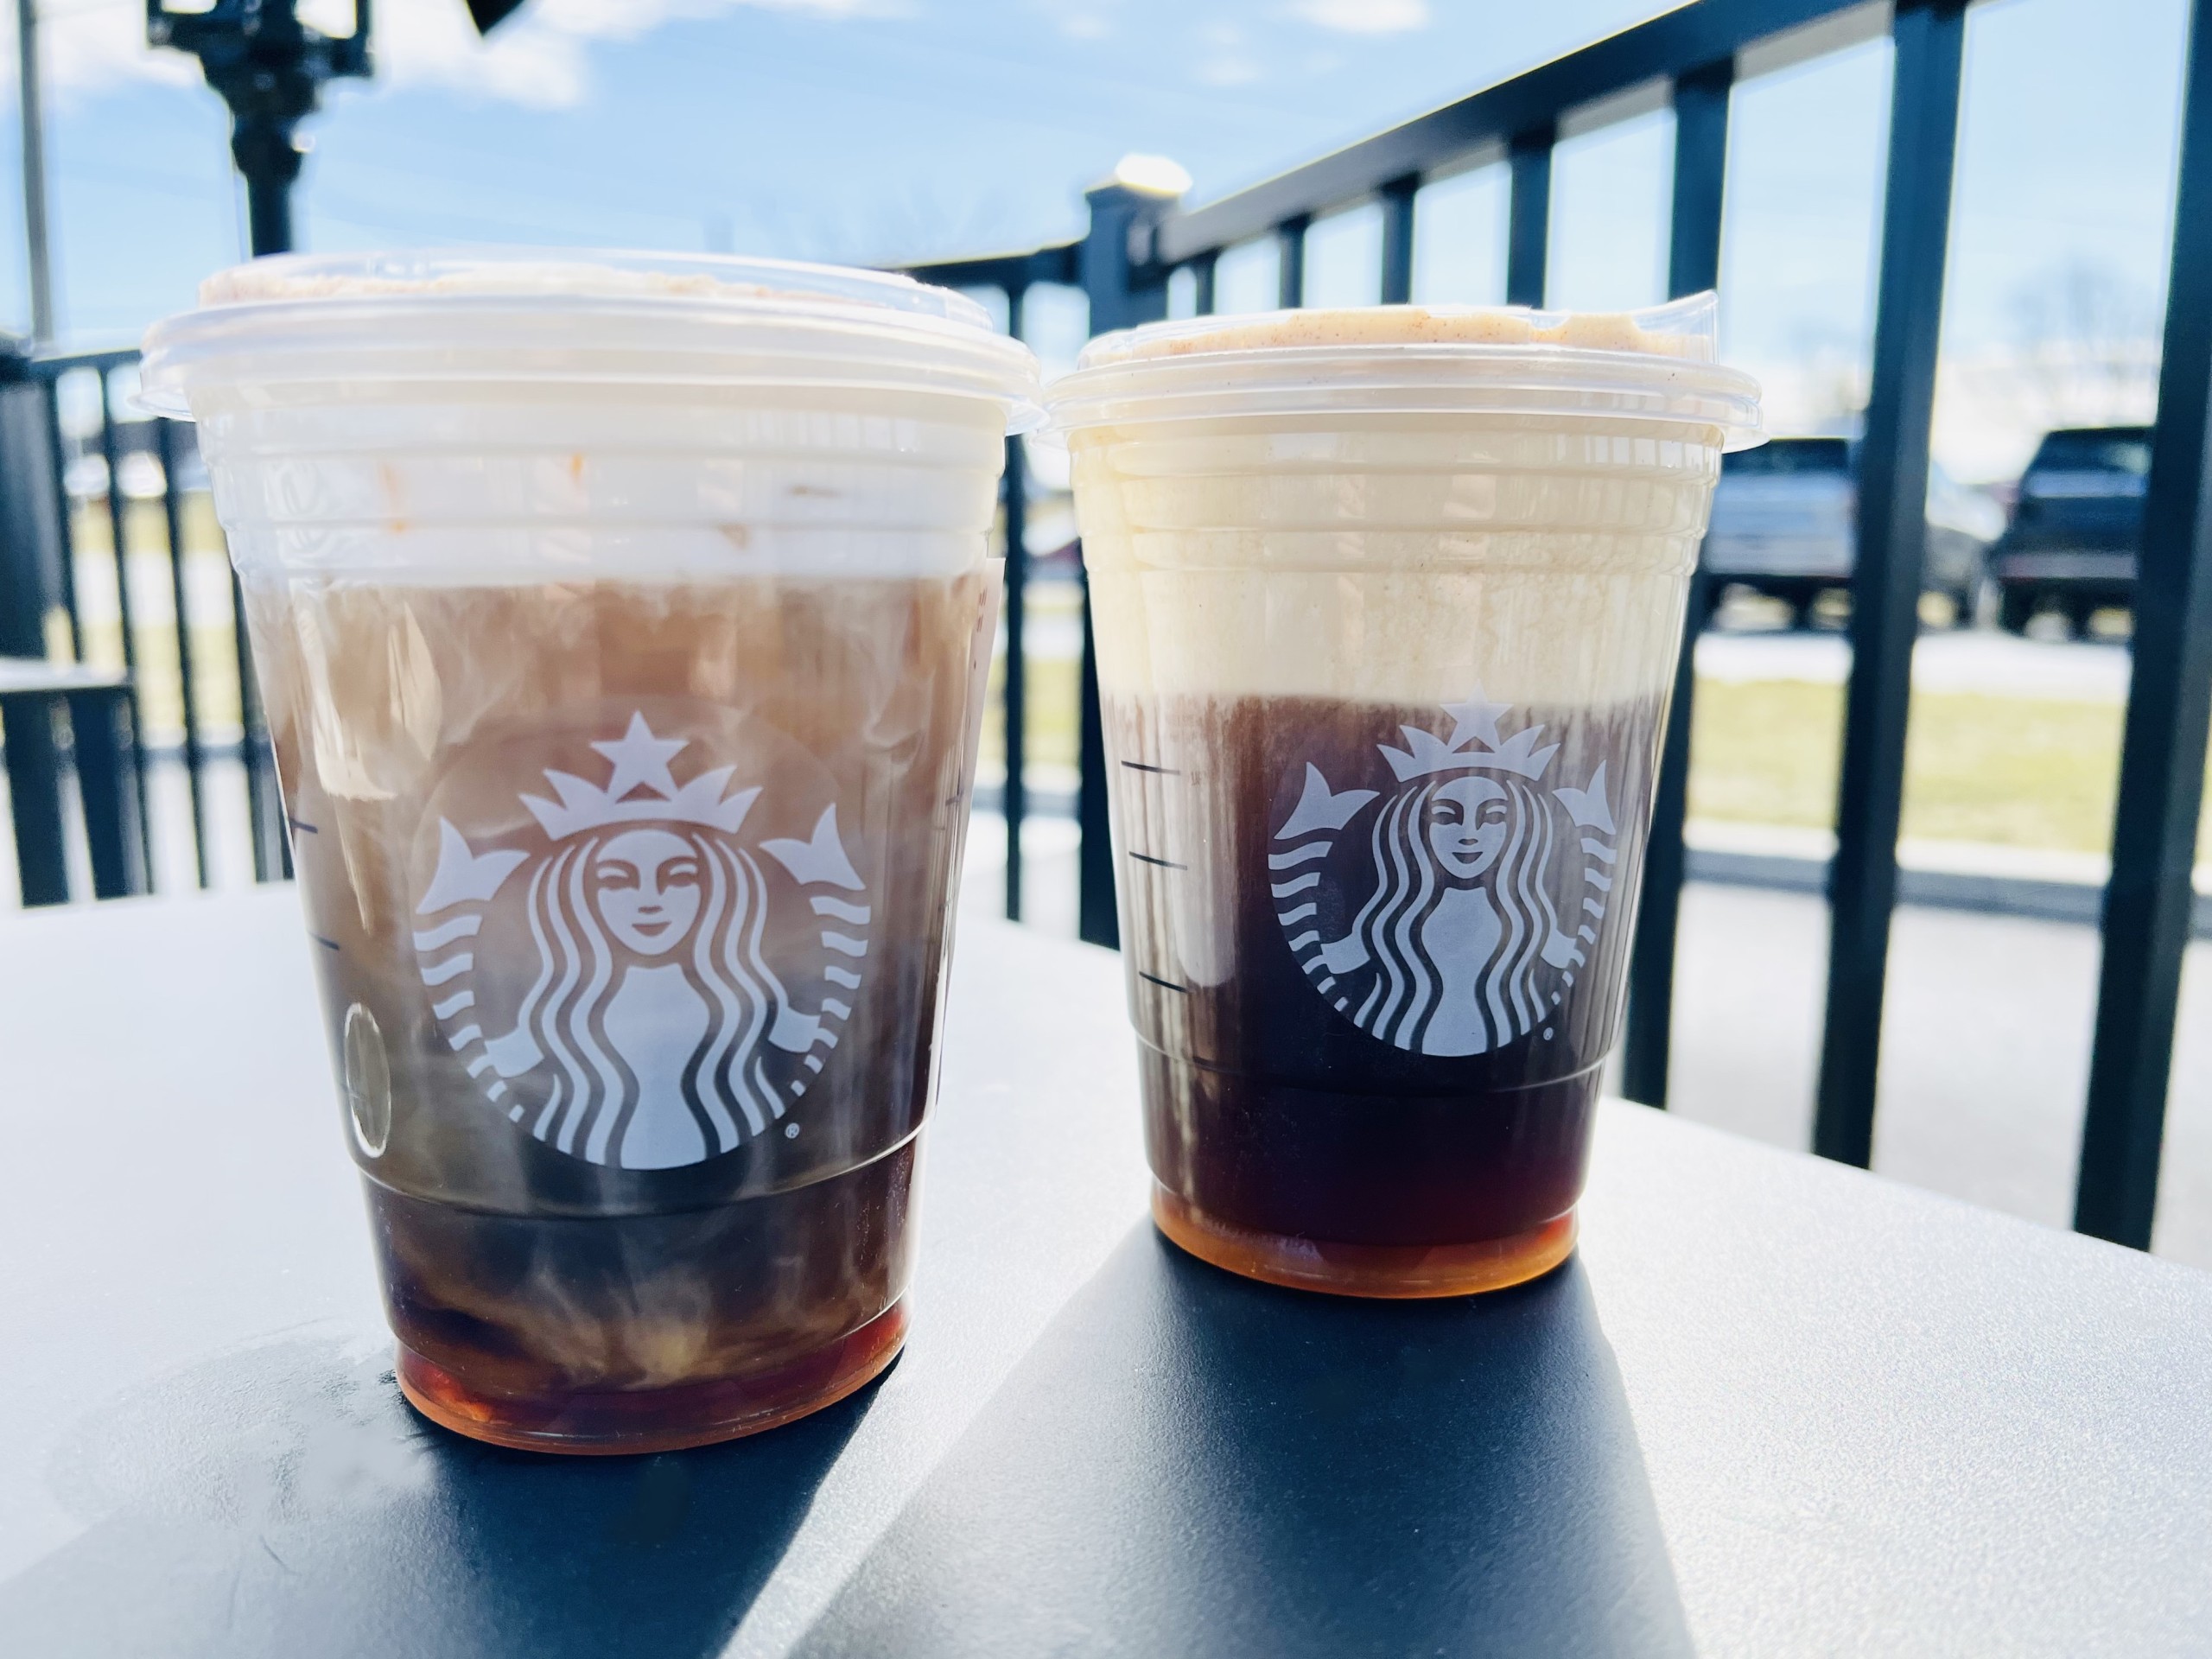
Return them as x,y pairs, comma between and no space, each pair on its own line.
1967,659
1985,1051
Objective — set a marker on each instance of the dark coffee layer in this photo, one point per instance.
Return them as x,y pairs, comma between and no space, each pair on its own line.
1358,1167
1377,953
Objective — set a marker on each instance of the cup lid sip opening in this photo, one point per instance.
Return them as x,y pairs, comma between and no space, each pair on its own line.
584,317
1657,364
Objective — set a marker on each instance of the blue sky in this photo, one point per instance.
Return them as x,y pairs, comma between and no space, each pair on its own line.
877,130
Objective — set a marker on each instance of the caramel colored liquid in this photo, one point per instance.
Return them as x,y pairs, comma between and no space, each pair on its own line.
744,1315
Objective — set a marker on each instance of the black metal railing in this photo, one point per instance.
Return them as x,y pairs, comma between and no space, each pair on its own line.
81,469
1137,240
1692,57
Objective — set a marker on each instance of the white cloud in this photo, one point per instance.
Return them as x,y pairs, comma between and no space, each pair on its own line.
1080,20
539,57
1226,63
1365,16
95,47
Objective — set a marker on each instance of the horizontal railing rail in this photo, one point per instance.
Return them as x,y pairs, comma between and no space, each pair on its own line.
1610,81
1690,58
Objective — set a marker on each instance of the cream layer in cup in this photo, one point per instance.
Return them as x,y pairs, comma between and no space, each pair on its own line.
1390,502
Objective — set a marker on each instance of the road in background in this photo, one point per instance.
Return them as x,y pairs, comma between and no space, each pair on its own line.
1967,660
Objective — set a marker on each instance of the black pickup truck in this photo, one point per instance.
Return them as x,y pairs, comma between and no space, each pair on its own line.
2072,541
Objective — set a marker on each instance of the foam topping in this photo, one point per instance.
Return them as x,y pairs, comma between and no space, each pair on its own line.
1650,367
1404,325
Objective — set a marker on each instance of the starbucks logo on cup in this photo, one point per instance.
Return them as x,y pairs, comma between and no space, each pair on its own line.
1446,911
632,968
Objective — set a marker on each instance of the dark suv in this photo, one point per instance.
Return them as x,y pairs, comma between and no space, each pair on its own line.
2071,544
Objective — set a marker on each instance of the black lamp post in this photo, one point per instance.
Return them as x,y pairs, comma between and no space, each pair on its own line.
269,67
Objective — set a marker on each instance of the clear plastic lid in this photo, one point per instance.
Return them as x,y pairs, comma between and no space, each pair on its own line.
583,317
1655,365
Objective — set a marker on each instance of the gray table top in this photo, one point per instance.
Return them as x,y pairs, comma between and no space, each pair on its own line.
1773,1406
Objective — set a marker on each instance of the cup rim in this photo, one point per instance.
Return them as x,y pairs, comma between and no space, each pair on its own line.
1475,360
573,315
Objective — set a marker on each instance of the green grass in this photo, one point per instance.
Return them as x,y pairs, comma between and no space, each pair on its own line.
1051,716
1765,752
2018,772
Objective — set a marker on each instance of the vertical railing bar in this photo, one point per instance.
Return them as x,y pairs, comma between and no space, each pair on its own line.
272,851
1693,266
30,757
103,726
1397,198
1098,921
1290,238
1119,236
31,745
1203,268
118,514
65,533
1013,799
2150,896
173,521
1886,580
1528,215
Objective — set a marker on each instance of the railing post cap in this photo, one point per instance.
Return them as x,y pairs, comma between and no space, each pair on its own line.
1152,177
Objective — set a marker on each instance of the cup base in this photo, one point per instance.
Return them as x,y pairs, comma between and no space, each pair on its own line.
623,1422
1395,1272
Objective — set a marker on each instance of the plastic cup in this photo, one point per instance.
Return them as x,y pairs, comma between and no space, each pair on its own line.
1387,606
622,622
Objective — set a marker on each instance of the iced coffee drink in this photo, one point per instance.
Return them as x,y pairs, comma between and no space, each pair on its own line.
1387,605
622,625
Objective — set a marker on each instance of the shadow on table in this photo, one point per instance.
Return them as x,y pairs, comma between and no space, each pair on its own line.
284,1501
1190,1463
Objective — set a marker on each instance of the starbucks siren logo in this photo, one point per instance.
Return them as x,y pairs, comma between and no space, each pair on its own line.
643,1026
1457,944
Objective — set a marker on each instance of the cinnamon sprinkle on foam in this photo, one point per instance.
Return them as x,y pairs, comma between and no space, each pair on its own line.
1406,325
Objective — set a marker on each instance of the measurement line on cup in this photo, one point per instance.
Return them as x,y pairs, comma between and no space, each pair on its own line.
327,945
1148,770
302,825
